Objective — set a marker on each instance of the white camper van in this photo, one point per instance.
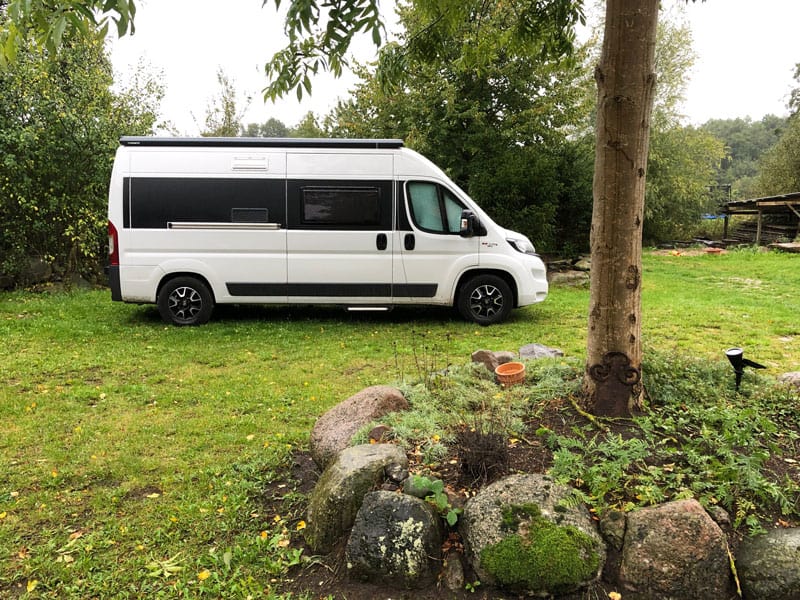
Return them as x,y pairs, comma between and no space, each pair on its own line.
366,224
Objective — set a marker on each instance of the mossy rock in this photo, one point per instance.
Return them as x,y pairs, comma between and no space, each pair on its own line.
540,556
527,534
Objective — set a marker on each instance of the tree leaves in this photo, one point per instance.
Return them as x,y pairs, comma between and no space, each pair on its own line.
48,26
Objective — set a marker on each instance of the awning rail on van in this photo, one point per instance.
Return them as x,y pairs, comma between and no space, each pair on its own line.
242,225
255,142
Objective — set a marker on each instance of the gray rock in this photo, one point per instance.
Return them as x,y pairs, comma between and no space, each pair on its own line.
396,540
674,550
505,356
769,565
534,351
524,533
583,264
791,378
336,498
38,271
491,360
396,473
569,278
486,358
333,431
453,573
612,528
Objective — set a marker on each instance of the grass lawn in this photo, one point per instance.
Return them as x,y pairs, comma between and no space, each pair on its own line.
134,454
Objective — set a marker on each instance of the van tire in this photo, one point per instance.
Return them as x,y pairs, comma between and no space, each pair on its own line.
485,299
185,301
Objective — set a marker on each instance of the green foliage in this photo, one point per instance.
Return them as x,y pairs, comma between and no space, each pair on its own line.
272,128
225,112
319,41
436,496
780,166
746,142
47,26
682,162
59,128
697,440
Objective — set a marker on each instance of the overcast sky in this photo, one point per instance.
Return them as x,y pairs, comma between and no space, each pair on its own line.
746,56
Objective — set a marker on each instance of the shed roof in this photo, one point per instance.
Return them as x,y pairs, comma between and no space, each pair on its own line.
768,204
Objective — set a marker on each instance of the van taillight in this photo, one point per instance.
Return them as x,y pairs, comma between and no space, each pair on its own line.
113,245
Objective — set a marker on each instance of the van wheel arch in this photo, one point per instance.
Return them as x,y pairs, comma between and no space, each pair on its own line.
499,283
185,299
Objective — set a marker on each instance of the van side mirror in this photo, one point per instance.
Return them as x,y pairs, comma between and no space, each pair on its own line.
470,225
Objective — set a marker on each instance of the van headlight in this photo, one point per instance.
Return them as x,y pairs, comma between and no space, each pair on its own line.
521,244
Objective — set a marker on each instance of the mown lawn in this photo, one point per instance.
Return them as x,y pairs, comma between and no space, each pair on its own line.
133,454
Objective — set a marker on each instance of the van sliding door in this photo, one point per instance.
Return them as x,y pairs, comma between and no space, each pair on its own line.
339,238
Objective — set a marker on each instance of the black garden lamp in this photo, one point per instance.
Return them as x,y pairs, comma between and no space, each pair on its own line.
739,362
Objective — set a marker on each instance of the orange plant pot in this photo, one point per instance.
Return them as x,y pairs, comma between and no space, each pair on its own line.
510,373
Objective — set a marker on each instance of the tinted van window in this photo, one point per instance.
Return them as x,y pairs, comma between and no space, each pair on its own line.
434,208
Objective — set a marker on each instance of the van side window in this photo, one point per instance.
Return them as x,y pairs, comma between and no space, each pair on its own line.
434,208
341,206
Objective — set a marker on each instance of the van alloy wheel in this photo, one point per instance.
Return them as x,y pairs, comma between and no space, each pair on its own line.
185,301
485,299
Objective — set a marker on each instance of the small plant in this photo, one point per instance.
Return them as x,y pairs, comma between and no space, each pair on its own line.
437,497
472,587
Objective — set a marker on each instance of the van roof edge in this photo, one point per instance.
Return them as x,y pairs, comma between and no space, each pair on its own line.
256,142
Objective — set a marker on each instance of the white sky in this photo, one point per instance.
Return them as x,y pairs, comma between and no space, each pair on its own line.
746,56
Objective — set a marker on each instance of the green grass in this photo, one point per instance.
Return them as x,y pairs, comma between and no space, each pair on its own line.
134,455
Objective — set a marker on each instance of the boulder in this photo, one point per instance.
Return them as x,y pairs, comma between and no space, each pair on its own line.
491,360
769,565
674,550
569,278
583,264
525,533
38,271
486,358
612,528
396,540
534,351
338,495
333,431
791,378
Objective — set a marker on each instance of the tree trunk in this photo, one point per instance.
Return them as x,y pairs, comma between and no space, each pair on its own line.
625,85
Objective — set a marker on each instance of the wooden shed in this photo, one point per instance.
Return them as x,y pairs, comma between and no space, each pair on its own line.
776,217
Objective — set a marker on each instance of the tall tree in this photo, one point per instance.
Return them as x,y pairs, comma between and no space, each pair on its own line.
626,86
271,128
225,111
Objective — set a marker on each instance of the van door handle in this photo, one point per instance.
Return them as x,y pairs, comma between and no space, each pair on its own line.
409,241
381,242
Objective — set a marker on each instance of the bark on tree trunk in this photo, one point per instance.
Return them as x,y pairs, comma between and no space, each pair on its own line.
625,85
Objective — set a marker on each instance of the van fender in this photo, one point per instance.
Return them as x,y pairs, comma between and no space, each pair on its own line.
191,268
504,273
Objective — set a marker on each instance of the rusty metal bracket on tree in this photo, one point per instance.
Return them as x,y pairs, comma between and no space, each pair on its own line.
616,379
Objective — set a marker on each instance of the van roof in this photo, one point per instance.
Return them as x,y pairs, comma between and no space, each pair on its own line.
257,142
